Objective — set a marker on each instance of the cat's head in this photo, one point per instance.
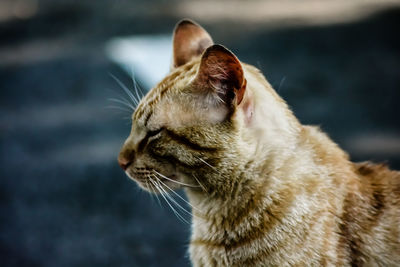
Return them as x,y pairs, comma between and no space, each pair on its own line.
201,126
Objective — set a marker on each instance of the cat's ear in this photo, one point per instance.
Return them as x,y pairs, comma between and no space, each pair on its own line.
189,40
221,76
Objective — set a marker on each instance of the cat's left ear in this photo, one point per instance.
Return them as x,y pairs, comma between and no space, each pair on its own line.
220,76
189,40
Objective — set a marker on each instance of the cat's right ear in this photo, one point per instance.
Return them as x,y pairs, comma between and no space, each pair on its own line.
189,40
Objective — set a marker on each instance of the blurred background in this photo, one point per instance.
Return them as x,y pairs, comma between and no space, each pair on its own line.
63,199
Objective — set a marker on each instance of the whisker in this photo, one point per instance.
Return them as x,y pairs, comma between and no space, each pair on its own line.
187,202
281,83
119,108
127,104
201,185
152,188
136,86
157,191
127,91
208,164
169,179
179,216
122,96
174,201
158,187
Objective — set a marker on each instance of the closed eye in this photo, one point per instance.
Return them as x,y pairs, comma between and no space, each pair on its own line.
154,133
148,136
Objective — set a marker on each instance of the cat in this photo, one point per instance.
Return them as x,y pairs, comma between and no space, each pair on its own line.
265,189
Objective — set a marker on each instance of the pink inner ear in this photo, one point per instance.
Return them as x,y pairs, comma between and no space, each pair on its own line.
221,72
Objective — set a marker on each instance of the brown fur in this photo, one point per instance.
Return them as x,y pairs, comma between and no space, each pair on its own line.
265,190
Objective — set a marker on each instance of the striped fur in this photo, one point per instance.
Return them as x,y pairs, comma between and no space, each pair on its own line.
271,192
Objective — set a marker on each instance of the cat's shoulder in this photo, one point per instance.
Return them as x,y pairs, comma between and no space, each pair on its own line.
379,181
378,174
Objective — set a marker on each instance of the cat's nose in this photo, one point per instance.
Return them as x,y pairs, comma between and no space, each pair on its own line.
125,158
124,163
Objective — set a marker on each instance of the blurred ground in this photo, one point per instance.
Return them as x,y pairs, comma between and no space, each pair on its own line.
63,199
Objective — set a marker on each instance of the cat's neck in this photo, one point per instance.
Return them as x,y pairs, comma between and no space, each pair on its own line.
257,178
286,180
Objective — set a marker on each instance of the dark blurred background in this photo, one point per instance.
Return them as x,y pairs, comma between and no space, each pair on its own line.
63,199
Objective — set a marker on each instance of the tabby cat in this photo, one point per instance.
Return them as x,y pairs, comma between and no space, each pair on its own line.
265,189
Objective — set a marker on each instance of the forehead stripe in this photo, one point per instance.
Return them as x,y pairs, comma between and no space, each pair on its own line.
148,118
